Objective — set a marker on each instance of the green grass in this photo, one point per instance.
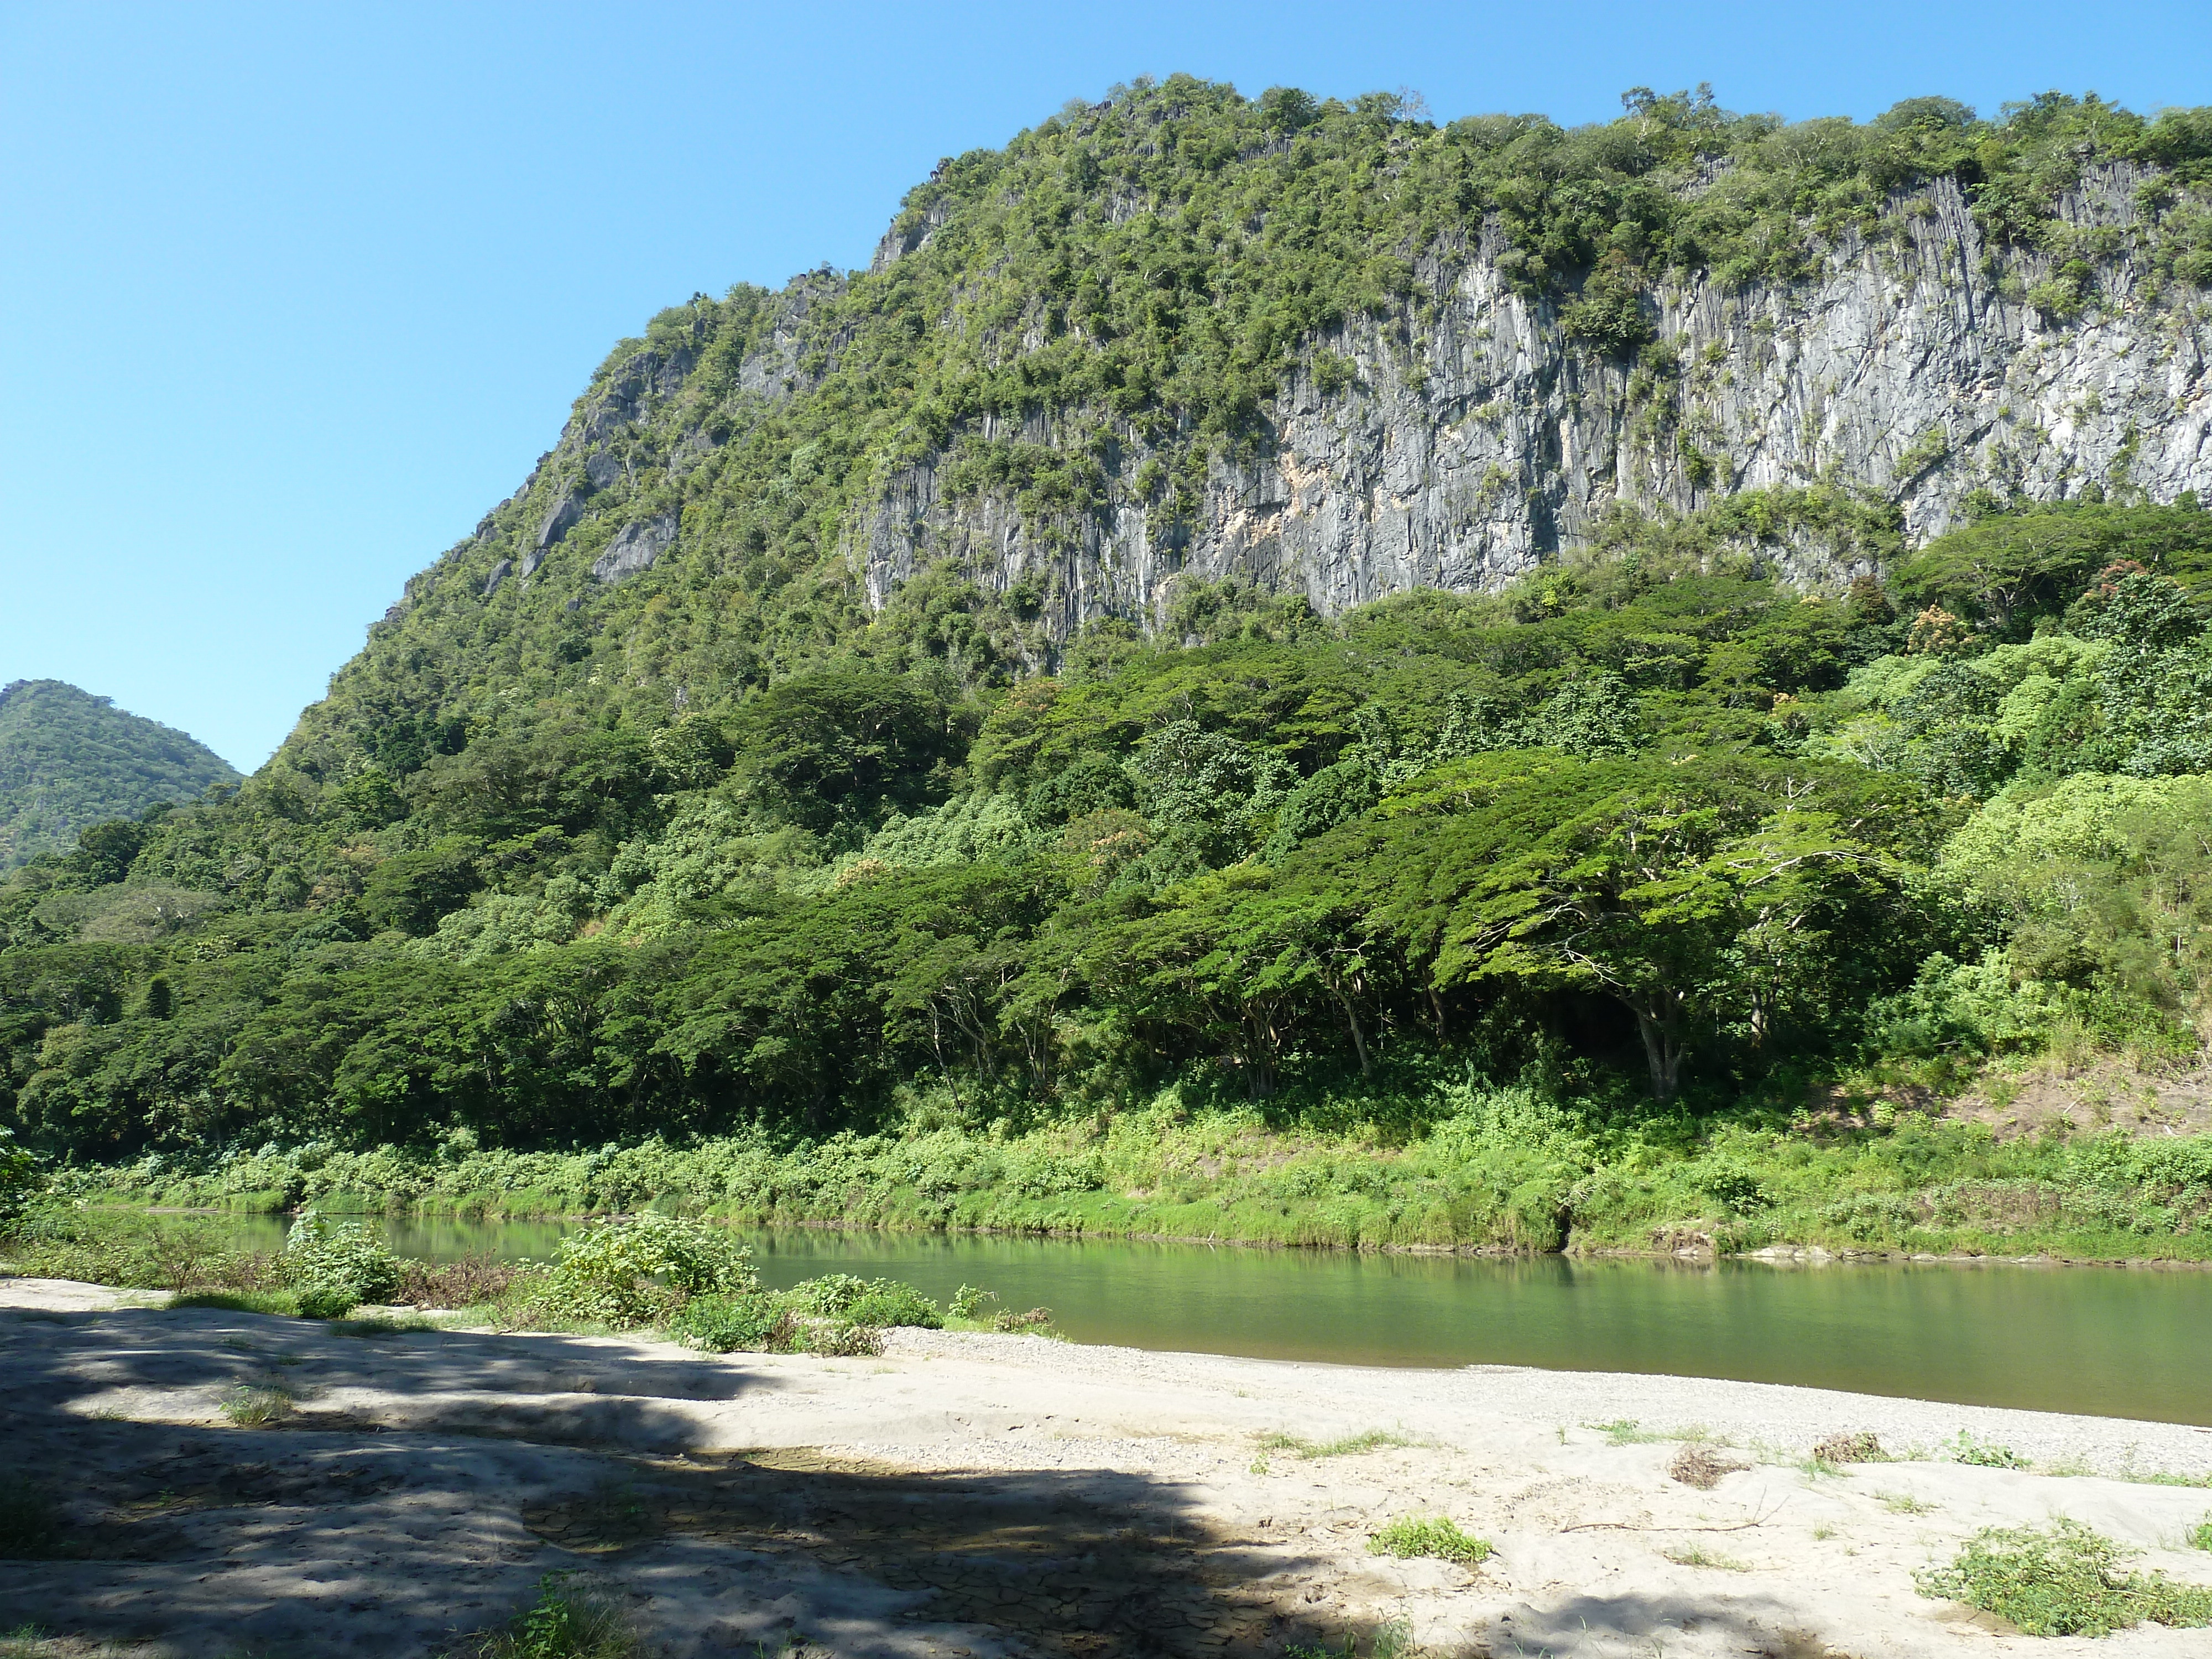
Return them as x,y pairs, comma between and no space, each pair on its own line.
2062,1580
1350,1446
1899,1503
568,1620
254,1302
1437,1538
249,1407
1695,1555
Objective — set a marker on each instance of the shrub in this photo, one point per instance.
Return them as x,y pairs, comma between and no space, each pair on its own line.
636,1271
827,1296
850,1340
1439,1538
334,1267
727,1324
2200,1535
19,1177
968,1302
2063,1580
888,1303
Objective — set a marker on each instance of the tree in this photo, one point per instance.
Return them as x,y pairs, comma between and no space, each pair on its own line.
1675,895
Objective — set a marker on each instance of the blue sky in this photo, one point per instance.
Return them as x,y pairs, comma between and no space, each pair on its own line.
290,295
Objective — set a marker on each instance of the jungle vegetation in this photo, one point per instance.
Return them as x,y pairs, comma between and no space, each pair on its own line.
1653,837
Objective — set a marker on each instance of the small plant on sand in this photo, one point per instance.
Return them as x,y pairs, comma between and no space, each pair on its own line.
1983,1454
1904,1502
1697,1556
30,1528
1860,1448
1349,1445
1392,1641
1697,1466
568,1620
256,1409
2062,1580
1439,1538
1037,1321
2200,1535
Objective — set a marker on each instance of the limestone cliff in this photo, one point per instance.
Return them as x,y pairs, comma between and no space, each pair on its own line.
1470,444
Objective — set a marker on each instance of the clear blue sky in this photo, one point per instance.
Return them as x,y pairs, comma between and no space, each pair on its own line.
290,295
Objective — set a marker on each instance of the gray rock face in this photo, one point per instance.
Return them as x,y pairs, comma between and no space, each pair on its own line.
634,549
499,573
1467,447
559,519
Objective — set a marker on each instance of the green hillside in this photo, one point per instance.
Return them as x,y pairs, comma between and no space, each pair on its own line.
633,819
69,759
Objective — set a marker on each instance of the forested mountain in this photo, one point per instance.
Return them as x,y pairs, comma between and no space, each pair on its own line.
1276,594
69,759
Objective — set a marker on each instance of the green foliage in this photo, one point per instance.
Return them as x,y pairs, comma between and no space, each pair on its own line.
72,764
643,1269
1983,1454
728,1324
1439,1538
568,1620
333,1266
2062,1580
19,1178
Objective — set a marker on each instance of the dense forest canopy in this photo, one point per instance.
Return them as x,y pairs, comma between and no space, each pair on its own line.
673,846
68,760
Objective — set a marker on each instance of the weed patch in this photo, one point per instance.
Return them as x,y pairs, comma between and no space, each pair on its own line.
1350,1446
256,1409
283,1302
2062,1580
568,1621
1437,1539
1697,1556
1982,1454
1899,1503
1697,1466
1860,1448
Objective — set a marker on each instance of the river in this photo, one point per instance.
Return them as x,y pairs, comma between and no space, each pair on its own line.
2111,1341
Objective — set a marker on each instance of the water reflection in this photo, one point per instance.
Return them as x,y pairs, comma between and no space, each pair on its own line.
2113,1342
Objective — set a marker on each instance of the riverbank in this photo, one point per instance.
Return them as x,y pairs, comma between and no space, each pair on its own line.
1504,1172
1005,1494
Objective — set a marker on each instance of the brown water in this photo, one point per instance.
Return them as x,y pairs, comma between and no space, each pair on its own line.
2115,1342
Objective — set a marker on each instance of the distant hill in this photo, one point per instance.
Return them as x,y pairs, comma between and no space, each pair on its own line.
68,759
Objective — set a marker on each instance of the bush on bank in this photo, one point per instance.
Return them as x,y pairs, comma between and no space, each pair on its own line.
1464,1167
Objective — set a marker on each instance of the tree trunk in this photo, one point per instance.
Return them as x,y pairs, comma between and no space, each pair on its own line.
1358,1040
1659,1023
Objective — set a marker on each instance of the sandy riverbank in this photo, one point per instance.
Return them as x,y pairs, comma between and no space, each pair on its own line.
992,1495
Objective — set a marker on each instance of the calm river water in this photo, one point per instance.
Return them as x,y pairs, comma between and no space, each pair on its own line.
2114,1342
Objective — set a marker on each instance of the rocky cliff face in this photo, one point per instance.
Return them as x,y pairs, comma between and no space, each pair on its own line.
1461,442
1458,448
